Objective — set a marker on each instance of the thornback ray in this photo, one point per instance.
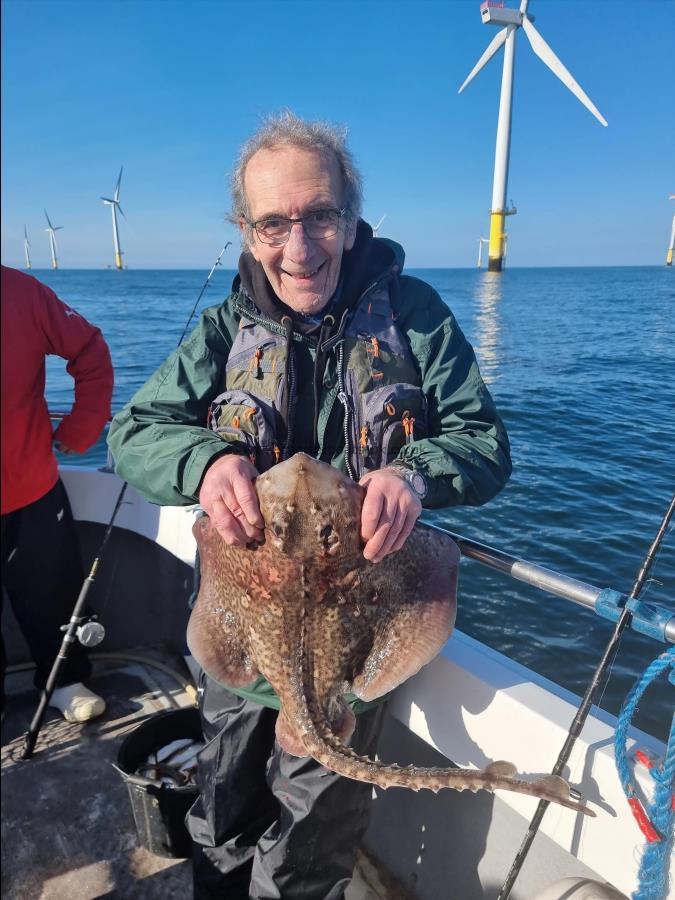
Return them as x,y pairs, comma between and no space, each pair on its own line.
310,613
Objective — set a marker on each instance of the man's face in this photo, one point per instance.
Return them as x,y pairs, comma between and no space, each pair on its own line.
290,182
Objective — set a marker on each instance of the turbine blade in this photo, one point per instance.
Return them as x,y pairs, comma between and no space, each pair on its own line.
107,200
117,186
120,209
548,57
380,222
492,48
47,218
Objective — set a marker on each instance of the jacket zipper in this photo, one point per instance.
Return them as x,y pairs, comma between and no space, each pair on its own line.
291,405
346,402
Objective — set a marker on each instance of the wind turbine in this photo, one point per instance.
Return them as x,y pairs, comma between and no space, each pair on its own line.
376,227
51,231
114,204
26,245
495,13
671,247
481,241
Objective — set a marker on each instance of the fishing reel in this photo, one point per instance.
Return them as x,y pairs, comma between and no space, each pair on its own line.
89,632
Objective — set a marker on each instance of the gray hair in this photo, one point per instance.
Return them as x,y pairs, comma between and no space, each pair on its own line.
285,128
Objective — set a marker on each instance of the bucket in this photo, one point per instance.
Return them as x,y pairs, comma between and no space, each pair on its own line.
159,810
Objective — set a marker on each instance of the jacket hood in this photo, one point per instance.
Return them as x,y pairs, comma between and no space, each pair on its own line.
369,260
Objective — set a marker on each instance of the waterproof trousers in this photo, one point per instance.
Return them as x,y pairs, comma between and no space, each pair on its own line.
42,575
268,825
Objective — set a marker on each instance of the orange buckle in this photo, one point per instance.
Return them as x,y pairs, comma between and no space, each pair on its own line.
254,364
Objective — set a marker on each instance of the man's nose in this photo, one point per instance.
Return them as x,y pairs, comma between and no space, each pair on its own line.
298,245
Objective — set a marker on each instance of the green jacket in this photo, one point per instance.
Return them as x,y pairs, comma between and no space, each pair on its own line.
162,447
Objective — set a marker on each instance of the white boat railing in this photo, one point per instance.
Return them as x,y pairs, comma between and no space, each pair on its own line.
648,618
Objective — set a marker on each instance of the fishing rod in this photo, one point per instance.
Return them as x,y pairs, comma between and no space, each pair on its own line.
84,627
589,698
204,287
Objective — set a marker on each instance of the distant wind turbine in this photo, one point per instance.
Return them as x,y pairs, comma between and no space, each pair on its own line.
495,13
51,231
26,245
376,227
671,246
481,241
114,204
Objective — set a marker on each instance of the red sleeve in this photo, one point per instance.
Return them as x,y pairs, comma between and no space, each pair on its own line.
69,335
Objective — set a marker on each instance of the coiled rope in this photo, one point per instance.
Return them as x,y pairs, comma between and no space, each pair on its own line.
656,822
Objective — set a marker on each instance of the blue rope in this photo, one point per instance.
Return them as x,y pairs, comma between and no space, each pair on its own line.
654,865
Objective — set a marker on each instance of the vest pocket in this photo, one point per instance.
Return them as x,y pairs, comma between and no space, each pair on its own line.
385,420
249,422
259,367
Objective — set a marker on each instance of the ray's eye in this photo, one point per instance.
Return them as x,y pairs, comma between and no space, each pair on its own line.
278,529
326,532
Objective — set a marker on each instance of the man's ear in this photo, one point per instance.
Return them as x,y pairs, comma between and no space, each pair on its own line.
350,232
248,238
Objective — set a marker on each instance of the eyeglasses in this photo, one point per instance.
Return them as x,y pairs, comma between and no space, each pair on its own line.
321,223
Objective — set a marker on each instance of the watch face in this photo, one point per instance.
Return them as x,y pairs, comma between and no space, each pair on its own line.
414,479
418,483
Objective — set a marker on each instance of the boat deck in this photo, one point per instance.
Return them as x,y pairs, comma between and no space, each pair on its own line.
67,826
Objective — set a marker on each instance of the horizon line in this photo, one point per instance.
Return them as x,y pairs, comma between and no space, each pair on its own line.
407,268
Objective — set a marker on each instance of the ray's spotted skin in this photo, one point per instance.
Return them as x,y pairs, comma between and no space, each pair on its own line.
318,620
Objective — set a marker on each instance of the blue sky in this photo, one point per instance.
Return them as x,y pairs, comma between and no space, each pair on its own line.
170,89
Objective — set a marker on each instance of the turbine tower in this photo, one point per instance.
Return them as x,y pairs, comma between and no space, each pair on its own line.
376,227
51,231
114,204
671,247
495,13
26,245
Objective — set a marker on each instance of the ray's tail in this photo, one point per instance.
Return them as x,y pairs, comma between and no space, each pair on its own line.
499,775
323,746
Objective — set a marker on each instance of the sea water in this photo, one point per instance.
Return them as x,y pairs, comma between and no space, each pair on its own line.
581,363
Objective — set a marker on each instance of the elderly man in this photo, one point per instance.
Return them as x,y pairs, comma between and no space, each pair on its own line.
323,346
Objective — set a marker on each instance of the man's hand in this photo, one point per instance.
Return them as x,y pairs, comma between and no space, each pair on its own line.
228,497
389,513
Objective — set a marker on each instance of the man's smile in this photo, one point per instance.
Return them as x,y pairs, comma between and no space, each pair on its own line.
306,275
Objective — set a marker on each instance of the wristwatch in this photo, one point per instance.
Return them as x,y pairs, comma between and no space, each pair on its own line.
414,479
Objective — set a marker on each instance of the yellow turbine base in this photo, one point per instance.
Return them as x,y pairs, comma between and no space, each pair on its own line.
669,257
496,246
118,260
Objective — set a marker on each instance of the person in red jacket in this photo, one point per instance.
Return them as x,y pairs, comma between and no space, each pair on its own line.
41,565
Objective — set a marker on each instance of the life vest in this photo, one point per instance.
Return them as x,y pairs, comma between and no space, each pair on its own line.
376,379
